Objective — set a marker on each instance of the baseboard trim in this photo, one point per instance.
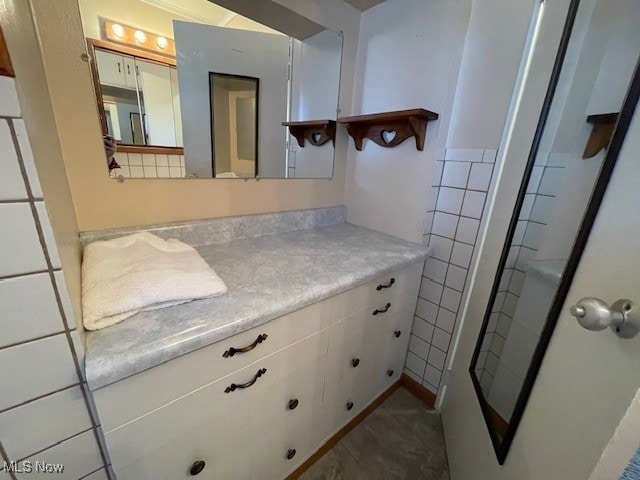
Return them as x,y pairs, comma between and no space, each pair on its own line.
329,444
418,390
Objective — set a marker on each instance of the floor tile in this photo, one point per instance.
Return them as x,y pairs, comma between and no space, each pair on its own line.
336,464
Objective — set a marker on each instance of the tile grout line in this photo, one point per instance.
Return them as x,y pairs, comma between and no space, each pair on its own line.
5,457
55,444
40,397
65,322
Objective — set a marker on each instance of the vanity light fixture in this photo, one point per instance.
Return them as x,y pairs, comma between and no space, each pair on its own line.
118,30
162,42
140,36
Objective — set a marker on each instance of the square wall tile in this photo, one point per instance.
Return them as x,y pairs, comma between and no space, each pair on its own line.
480,177
450,200
163,172
410,373
162,160
435,270
148,160
552,181
79,455
437,358
461,254
432,375
136,171
473,204
38,425
427,311
36,368
99,475
27,157
135,159
9,106
467,230
534,180
175,172
444,224
455,174
174,160
450,299
440,247
47,231
456,278
11,182
150,172
527,206
21,250
418,347
430,290
29,309
422,329
446,320
441,339
464,154
542,207
416,364
489,155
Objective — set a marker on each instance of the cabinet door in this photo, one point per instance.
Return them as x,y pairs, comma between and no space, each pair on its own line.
111,68
154,83
285,421
130,72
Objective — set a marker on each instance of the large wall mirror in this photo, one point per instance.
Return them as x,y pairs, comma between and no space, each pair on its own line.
593,93
190,89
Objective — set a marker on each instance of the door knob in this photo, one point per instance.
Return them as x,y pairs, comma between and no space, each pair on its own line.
623,317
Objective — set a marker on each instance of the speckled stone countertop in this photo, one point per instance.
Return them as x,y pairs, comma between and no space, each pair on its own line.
267,277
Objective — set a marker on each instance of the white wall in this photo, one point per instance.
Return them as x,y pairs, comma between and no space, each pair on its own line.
237,52
315,83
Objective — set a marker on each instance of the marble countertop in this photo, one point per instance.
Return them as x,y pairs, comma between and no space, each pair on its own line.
267,277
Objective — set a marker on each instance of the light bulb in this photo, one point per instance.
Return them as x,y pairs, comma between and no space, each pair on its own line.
118,30
162,42
140,36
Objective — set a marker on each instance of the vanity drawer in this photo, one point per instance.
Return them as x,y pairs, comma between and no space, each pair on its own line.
285,421
210,404
135,396
378,291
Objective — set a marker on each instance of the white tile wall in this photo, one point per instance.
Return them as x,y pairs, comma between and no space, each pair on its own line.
44,408
456,205
136,165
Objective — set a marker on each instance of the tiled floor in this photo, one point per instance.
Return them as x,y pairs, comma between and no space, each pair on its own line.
402,439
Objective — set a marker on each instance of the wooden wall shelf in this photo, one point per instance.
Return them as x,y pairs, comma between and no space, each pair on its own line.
603,127
316,132
380,127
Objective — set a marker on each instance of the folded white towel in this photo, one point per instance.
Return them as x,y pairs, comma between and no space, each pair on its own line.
123,276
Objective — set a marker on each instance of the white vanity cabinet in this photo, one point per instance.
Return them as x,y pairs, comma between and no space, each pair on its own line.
259,413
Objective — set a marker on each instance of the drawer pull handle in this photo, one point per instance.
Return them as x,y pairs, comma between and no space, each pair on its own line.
388,285
355,362
234,386
397,333
291,453
390,373
197,467
349,405
232,351
293,404
385,309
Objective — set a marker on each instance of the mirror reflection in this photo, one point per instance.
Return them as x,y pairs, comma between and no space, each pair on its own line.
152,62
602,55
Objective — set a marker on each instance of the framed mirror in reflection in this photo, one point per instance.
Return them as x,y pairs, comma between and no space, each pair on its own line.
152,62
593,92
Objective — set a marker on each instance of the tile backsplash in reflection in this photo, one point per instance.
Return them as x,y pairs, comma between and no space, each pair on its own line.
149,165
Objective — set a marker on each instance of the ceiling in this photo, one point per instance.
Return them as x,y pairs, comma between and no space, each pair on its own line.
363,5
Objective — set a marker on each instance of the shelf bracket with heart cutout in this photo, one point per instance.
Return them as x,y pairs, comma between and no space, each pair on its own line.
316,132
389,129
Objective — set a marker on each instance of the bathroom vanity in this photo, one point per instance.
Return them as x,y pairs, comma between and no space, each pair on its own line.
314,328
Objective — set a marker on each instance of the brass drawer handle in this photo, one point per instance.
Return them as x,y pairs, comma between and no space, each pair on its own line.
293,404
232,351
383,310
390,373
234,386
291,453
397,333
388,285
355,362
349,405
197,467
